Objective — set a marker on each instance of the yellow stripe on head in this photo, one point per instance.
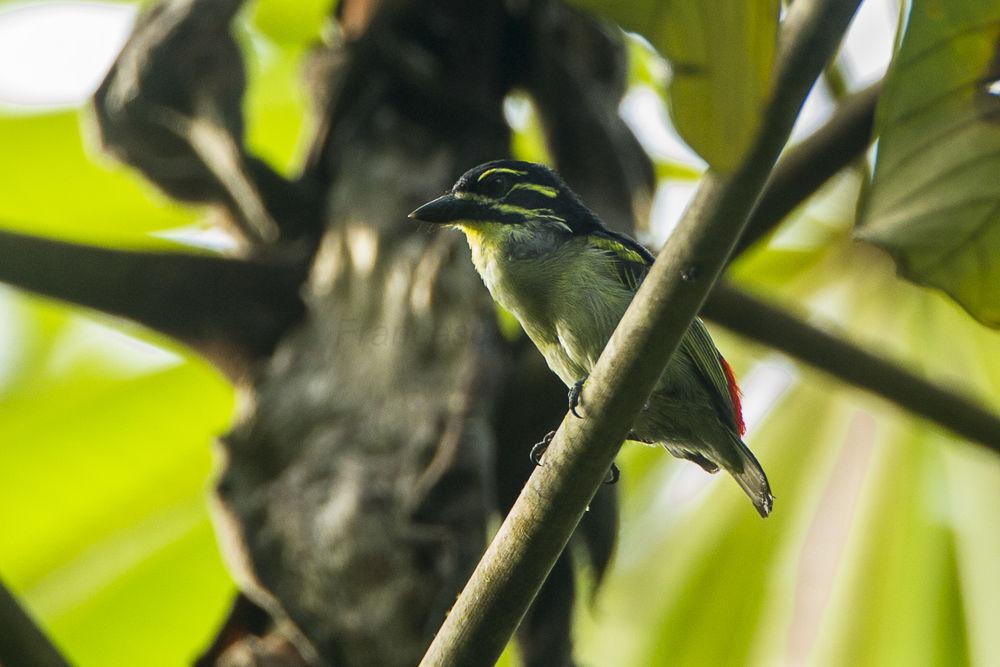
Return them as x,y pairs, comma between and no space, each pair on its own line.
535,187
501,170
546,215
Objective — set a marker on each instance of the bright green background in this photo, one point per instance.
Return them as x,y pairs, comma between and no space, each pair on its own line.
882,549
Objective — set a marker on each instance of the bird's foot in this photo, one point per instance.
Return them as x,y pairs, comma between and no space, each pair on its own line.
574,396
539,449
613,475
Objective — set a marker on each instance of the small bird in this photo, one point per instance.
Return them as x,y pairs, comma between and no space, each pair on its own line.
552,263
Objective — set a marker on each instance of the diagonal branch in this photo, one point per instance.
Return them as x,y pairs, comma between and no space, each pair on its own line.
172,107
22,642
231,311
550,506
766,323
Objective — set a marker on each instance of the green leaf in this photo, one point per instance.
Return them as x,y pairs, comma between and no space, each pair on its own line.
160,602
103,470
89,454
974,481
722,56
934,200
527,137
292,23
275,104
50,185
887,609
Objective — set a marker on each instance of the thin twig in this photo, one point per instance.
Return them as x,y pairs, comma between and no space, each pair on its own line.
751,317
22,641
231,311
550,506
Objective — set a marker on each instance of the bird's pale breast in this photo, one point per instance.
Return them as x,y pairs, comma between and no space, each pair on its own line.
568,303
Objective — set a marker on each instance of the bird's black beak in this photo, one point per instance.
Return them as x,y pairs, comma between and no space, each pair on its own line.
447,209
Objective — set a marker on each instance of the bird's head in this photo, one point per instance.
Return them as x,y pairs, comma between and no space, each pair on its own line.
510,200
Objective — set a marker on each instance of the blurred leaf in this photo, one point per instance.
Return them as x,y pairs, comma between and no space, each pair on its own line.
813,234
104,465
934,201
50,186
114,453
899,600
102,499
700,556
275,103
161,608
295,24
721,54
30,329
973,480
527,139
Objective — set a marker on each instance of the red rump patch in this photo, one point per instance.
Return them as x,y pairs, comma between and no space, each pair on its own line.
734,395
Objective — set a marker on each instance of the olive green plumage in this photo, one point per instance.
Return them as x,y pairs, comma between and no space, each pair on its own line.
550,261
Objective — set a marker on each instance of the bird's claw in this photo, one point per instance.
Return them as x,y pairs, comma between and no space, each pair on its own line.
613,475
574,397
539,449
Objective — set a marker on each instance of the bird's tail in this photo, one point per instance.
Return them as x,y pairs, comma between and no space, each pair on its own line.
751,478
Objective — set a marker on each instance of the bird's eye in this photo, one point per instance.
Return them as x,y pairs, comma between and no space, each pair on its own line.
495,186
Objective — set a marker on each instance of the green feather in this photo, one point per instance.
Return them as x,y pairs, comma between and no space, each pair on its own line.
632,262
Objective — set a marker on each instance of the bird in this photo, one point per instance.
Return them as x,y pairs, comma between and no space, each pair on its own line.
549,260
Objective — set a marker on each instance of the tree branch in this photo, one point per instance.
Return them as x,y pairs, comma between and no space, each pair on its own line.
22,642
766,323
172,107
806,166
230,311
550,506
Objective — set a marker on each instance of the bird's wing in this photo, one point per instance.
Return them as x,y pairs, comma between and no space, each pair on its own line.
631,258
700,347
633,262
